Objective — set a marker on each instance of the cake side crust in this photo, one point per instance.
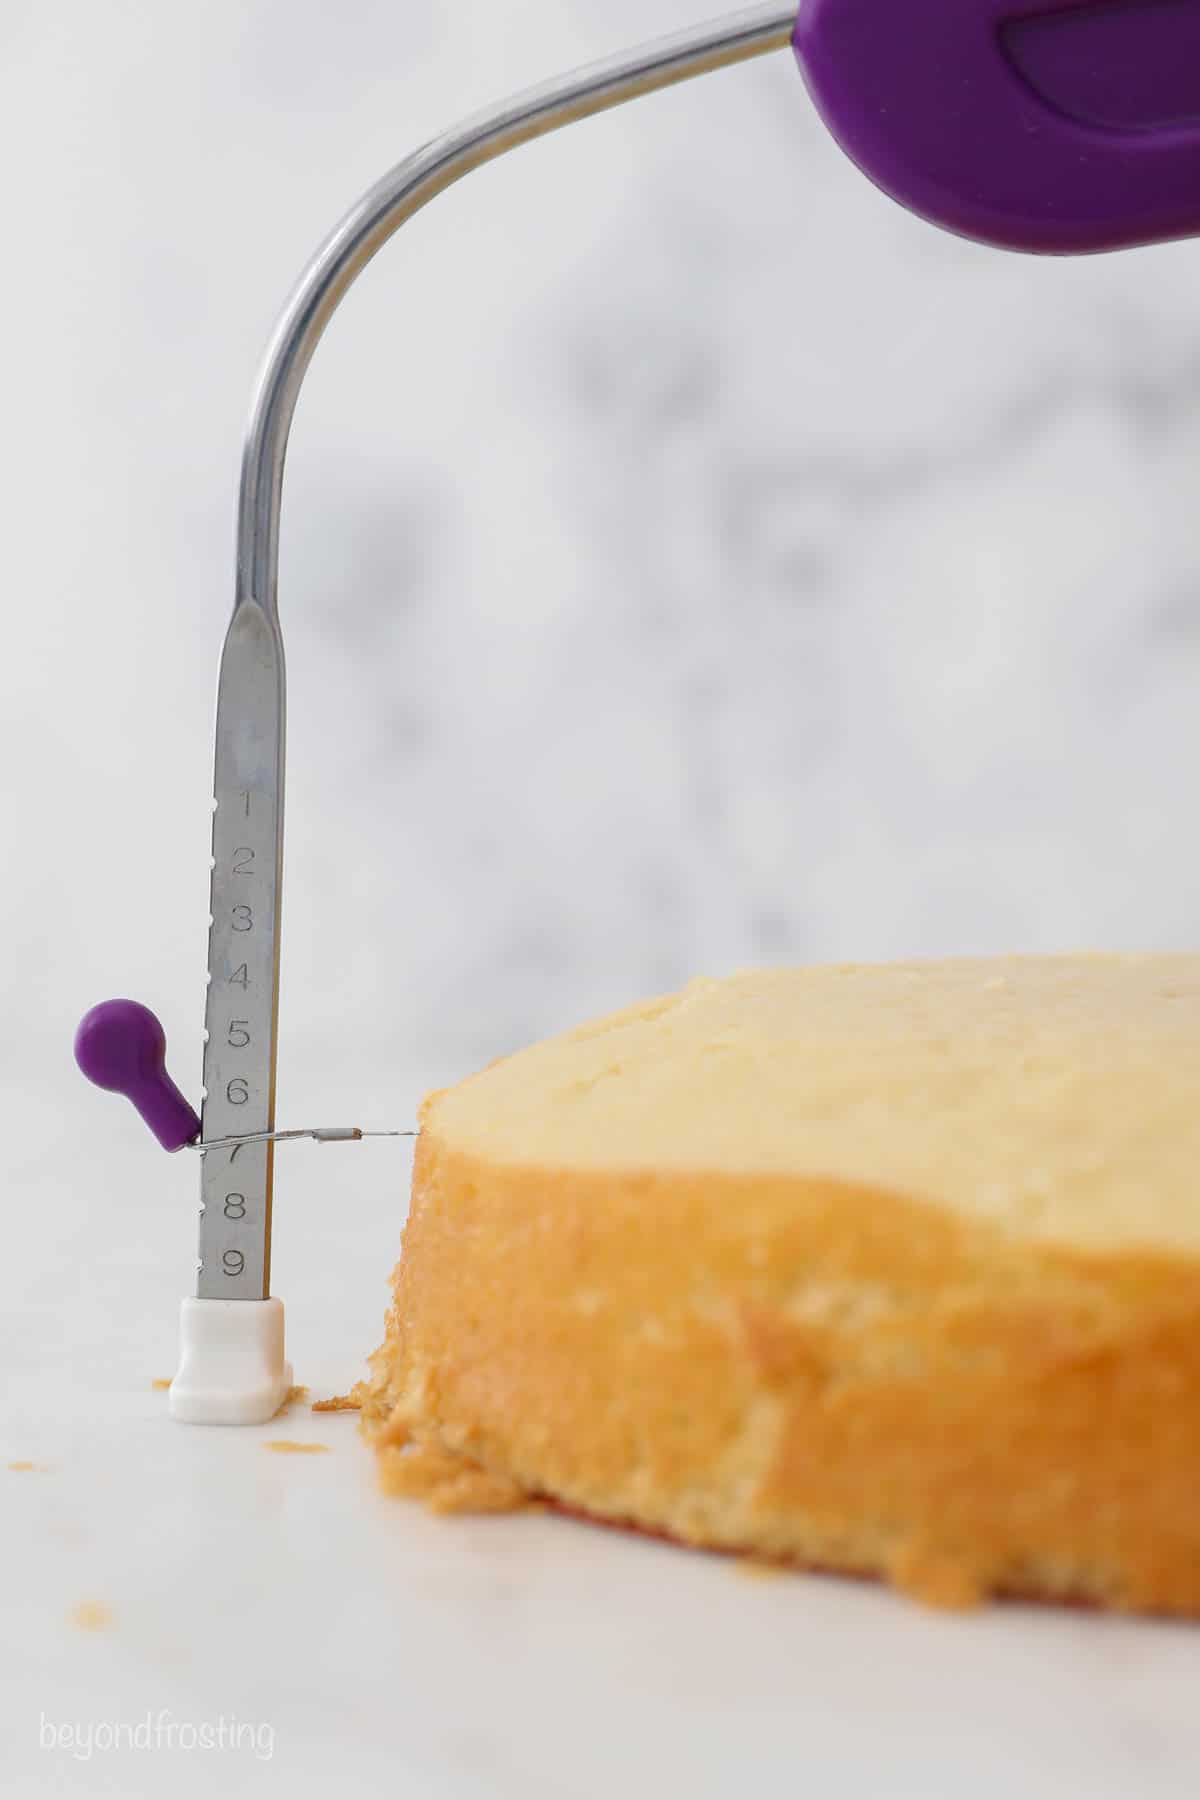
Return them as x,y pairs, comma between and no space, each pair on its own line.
843,1376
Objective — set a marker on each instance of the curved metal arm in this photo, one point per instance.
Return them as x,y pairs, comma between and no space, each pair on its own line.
407,188
242,1004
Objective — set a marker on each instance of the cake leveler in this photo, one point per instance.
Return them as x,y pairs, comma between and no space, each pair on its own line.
1054,127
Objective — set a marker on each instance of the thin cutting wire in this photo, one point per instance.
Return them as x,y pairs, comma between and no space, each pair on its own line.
321,1134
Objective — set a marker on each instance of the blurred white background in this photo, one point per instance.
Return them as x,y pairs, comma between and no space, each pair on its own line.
688,560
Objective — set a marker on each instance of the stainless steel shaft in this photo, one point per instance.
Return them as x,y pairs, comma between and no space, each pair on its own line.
241,1012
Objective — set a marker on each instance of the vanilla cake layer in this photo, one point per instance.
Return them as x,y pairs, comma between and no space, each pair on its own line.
893,1269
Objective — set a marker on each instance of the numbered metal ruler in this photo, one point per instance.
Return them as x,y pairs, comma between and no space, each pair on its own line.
243,960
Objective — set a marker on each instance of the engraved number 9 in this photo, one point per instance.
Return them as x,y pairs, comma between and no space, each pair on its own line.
233,1262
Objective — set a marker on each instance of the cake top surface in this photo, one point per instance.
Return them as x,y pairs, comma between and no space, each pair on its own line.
1056,1095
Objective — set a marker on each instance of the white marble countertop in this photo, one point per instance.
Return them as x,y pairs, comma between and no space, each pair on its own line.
688,560
374,1648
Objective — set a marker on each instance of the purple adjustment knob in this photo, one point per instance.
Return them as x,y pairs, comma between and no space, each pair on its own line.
121,1046
1044,125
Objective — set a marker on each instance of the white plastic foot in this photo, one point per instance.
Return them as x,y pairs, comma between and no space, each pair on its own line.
231,1366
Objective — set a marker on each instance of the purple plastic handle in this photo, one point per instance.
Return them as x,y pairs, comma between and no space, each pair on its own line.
1053,127
121,1046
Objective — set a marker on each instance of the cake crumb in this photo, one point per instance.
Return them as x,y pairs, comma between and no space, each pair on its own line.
91,1615
338,1403
447,1483
937,1580
759,1568
289,1400
161,1383
27,1468
293,1447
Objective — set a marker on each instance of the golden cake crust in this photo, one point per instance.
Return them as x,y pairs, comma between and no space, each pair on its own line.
804,1364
